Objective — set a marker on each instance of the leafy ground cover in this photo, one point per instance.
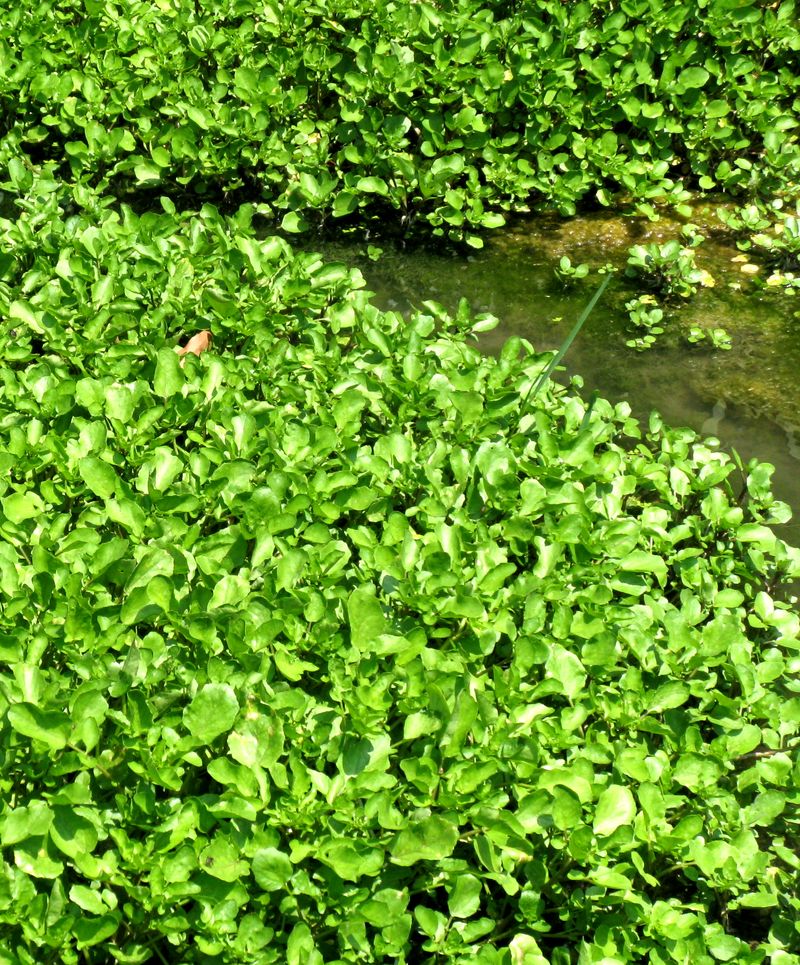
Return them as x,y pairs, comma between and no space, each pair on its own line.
325,639
449,113
339,643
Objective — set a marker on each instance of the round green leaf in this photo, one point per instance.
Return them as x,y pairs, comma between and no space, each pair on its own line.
72,833
168,377
92,931
212,712
345,203
50,727
373,185
766,807
693,77
668,696
294,222
695,771
351,859
222,859
271,869
21,506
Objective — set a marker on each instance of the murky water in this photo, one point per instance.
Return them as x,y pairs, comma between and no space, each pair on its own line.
749,397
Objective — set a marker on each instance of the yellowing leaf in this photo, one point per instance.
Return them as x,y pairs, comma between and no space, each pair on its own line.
199,342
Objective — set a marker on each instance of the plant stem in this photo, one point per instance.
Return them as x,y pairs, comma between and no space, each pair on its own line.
549,368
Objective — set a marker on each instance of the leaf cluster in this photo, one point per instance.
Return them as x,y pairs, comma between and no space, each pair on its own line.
449,114
337,644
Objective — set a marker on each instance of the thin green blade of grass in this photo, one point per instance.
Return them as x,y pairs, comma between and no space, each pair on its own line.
550,367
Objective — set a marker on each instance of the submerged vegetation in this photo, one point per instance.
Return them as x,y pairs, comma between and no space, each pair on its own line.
326,639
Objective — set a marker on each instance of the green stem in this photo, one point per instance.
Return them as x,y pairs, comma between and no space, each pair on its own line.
548,370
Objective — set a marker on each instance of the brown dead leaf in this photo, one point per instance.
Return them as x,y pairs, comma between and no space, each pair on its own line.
199,342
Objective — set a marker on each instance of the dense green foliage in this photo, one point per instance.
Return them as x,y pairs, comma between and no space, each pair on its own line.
453,112
339,642
327,646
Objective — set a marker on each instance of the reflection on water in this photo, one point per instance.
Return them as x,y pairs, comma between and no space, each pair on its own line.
747,398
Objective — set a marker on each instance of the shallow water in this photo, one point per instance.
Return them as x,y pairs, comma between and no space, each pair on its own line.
748,397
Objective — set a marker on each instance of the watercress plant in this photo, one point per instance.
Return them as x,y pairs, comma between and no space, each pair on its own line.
338,643
447,115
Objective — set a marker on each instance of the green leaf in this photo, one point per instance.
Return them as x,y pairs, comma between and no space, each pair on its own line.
465,897
693,77
351,859
128,514
464,714
366,619
19,507
19,175
290,567
229,591
695,771
23,311
492,219
725,948
167,467
222,859
640,562
33,858
103,291
49,727
652,109
766,807
565,667
98,476
24,822
272,869
154,562
430,839
345,202
212,712
669,695
72,833
93,931
373,185
146,602
525,951
87,899
168,379
300,947
146,171
616,808
432,923
294,222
